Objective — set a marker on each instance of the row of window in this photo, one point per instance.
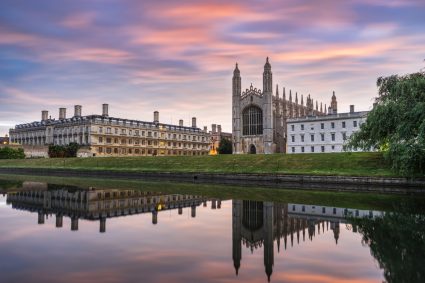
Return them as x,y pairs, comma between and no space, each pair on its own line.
125,151
322,126
312,149
322,137
150,134
147,142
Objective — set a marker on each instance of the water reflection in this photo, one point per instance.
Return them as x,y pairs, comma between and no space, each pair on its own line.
256,225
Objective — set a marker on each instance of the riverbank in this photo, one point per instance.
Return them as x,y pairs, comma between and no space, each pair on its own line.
357,164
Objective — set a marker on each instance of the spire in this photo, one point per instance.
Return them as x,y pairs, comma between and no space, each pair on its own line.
296,97
236,72
302,100
290,95
267,78
321,108
277,91
284,94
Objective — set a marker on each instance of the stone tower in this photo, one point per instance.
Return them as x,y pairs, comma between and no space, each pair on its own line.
236,109
267,108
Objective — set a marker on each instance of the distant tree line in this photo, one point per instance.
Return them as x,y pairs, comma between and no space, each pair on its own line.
63,151
396,124
11,153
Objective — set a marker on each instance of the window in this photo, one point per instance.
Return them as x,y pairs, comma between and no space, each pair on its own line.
355,124
312,149
136,132
344,136
252,121
302,138
108,130
293,138
123,131
322,148
302,127
292,127
100,139
323,209
333,147
322,126
293,149
343,124
100,150
333,136
108,150
116,131
312,138
130,132
100,130
302,149
333,125
322,137
108,140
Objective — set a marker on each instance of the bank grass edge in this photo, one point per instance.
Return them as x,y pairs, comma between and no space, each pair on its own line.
328,164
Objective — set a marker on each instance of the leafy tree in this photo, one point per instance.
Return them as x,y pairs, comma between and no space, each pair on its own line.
11,153
60,151
396,124
225,146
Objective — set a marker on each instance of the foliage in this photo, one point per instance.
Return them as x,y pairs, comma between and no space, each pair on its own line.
396,124
225,146
11,153
60,151
397,242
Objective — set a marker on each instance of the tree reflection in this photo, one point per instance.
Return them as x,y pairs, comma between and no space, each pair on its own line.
397,241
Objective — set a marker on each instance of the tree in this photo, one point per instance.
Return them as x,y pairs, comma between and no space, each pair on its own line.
225,146
396,124
11,153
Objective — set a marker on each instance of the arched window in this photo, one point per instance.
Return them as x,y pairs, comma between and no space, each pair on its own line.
252,121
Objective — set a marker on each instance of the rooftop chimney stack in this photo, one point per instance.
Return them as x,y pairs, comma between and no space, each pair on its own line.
213,128
62,113
44,115
205,129
219,129
181,123
193,122
77,111
105,110
156,117
351,108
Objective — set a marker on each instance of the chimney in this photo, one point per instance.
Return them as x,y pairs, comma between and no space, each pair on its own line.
44,115
181,123
219,129
105,110
62,113
193,122
351,108
213,128
77,111
156,117
330,110
205,129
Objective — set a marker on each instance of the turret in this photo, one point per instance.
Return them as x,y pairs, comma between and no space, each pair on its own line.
334,104
236,118
267,77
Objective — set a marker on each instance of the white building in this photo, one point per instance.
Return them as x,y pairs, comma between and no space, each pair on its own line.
323,133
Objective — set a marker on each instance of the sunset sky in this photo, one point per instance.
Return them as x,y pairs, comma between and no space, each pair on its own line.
177,57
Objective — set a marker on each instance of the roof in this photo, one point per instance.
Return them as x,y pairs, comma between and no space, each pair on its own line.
339,116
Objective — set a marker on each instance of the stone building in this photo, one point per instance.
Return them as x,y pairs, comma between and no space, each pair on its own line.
216,135
102,135
312,134
259,117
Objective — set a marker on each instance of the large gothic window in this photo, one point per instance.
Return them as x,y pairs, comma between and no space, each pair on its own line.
252,121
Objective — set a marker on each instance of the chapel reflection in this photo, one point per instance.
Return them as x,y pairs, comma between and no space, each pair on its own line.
259,224
99,204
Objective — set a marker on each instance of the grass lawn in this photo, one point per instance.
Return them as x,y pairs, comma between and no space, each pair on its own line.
342,164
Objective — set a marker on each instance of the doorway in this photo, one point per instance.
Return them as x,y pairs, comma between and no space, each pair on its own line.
252,149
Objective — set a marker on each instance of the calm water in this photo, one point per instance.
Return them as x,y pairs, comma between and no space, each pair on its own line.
57,233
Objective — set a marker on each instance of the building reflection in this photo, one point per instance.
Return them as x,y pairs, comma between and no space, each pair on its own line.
260,224
99,204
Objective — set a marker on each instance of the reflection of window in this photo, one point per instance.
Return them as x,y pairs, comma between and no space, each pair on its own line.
252,118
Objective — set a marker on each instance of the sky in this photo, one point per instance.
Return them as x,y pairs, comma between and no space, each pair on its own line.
177,57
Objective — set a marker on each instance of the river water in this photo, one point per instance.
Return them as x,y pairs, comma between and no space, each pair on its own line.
67,233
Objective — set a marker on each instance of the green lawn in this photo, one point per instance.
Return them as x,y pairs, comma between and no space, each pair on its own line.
343,164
